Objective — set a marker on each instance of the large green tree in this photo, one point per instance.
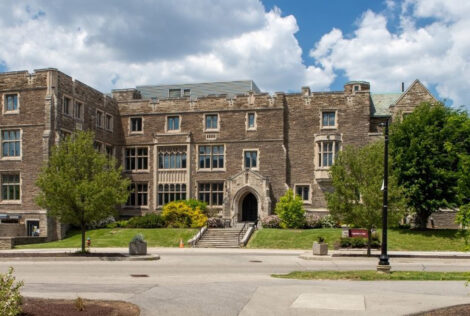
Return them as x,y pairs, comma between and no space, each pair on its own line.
428,148
357,178
79,185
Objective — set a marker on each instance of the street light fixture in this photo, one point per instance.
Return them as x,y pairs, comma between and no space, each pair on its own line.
384,264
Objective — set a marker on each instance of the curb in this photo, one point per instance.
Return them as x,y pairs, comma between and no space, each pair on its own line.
104,257
309,256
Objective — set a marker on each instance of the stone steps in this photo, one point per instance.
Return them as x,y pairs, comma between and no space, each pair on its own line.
221,238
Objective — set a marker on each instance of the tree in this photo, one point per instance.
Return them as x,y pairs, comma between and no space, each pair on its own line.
357,177
79,185
290,210
427,148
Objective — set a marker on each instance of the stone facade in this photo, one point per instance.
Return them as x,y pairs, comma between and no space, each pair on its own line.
238,153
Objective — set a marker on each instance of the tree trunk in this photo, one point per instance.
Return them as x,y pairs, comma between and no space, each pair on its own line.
369,240
421,220
83,237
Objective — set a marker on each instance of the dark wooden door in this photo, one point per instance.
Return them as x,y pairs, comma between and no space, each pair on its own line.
249,208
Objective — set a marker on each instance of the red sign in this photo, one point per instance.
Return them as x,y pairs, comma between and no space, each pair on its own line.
358,232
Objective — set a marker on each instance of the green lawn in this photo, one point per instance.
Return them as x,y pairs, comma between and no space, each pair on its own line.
398,239
120,237
369,275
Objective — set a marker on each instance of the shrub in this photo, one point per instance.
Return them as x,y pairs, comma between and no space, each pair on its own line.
328,221
312,221
151,220
117,224
138,238
290,210
358,242
193,203
10,298
215,222
179,215
101,223
271,221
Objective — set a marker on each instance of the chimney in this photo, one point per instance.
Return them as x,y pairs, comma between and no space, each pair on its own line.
402,87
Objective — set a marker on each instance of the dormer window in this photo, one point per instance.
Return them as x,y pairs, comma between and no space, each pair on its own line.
174,93
186,92
356,88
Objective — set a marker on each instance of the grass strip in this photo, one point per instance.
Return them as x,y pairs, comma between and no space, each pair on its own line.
120,237
371,275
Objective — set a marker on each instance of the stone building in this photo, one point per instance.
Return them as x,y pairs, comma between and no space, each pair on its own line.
225,143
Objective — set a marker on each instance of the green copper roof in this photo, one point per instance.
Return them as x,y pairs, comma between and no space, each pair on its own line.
380,103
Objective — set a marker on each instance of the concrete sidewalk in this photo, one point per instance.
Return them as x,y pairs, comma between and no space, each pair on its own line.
305,254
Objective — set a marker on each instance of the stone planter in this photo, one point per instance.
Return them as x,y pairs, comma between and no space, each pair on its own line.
320,249
138,248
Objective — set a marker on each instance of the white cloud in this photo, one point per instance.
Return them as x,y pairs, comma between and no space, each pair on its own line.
116,44
431,44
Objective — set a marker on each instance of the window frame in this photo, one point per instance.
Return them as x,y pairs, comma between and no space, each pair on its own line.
4,103
211,192
108,120
124,156
247,121
70,106
82,110
174,89
257,159
5,173
167,117
161,194
319,152
135,193
170,154
335,126
211,129
141,131
309,200
199,169
99,118
20,156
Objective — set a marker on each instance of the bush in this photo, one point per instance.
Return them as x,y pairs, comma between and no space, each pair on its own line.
101,223
10,298
312,221
151,220
194,204
117,224
358,242
271,221
290,210
328,221
179,214
215,222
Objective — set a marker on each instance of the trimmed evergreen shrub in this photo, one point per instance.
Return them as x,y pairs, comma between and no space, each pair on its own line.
151,220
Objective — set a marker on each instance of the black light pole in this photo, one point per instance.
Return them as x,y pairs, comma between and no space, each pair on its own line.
384,264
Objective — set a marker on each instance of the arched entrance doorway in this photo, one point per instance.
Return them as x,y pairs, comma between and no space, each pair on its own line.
249,208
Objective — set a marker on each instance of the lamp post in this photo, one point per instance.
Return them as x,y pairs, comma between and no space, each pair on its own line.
384,264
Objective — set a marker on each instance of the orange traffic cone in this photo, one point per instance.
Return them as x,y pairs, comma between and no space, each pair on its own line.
181,243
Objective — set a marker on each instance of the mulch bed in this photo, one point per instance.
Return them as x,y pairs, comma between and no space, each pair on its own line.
58,307
457,310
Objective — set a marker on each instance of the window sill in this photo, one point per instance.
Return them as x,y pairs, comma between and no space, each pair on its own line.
137,171
329,127
211,130
11,112
8,202
11,158
175,131
251,129
211,170
136,133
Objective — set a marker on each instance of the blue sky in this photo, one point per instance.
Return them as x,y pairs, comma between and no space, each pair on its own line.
282,45
316,18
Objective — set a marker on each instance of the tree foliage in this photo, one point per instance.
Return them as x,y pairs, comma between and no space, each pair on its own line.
429,148
80,186
290,210
10,297
357,177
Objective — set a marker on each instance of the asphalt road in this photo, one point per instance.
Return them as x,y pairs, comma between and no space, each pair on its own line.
238,282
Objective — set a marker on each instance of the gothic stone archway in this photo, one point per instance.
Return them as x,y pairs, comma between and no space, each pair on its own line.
247,184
